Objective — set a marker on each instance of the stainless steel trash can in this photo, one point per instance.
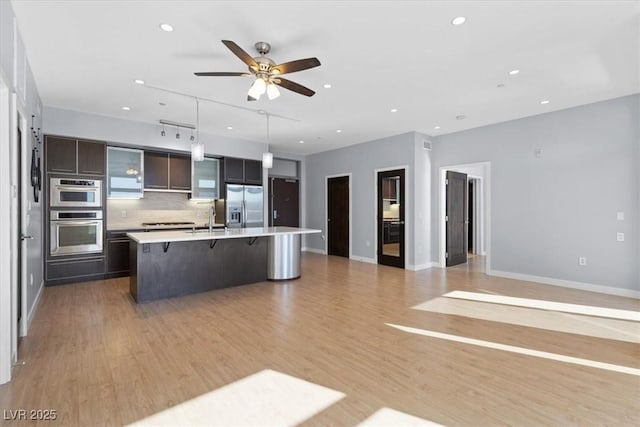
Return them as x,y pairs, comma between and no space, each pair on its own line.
283,257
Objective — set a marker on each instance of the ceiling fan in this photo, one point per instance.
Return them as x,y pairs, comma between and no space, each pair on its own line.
267,72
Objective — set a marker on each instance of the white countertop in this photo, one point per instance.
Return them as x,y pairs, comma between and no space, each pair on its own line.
232,233
139,226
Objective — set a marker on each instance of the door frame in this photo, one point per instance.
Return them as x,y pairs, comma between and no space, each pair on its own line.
486,210
349,175
25,184
6,325
407,209
478,213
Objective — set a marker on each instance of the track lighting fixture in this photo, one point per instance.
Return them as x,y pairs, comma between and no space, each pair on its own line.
178,132
162,132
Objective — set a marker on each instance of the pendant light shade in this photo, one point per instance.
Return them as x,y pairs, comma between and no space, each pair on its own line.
267,160
197,147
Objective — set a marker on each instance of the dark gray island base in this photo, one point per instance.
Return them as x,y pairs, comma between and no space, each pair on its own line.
194,266
165,264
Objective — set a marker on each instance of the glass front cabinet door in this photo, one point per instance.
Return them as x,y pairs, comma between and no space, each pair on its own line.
206,179
125,173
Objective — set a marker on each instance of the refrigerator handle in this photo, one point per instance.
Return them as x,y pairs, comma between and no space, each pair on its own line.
244,213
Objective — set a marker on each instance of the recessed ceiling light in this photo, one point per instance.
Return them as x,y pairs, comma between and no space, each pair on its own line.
394,110
139,82
546,101
166,27
458,20
436,127
162,104
500,85
339,131
126,108
513,72
461,117
229,127
301,142
326,86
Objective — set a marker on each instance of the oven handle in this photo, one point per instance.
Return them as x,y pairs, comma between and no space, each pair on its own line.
77,187
66,222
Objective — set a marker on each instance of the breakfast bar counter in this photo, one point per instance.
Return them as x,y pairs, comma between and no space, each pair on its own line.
166,264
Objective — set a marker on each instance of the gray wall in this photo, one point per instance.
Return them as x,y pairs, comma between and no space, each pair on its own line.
361,161
31,105
548,211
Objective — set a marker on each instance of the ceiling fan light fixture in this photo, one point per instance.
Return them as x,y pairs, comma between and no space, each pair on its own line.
272,91
257,88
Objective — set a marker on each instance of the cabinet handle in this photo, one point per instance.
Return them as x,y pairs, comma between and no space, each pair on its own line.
155,186
61,170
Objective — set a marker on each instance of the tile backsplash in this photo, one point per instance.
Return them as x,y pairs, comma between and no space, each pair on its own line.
158,207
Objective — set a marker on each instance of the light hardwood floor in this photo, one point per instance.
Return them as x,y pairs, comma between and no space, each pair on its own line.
97,358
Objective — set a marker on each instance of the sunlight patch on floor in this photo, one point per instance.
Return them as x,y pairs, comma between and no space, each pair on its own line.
548,305
267,398
387,417
600,327
520,350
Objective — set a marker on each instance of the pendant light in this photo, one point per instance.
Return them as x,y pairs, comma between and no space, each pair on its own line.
267,158
197,147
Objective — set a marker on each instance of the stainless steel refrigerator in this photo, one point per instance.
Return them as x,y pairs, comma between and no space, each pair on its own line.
244,206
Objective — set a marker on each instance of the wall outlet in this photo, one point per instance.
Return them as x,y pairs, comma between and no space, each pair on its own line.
620,237
620,216
123,214
582,261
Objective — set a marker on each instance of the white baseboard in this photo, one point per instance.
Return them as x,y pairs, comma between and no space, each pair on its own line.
363,259
424,266
313,250
567,284
34,307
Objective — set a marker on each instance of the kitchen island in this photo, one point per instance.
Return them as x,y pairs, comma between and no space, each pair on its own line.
166,264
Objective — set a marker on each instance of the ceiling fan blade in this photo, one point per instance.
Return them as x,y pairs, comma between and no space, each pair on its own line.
293,86
293,66
244,56
222,74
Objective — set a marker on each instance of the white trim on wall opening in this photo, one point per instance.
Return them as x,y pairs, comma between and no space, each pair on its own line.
407,216
22,158
326,209
486,223
5,239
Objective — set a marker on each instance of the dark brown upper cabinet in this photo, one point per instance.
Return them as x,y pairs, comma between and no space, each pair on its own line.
179,172
91,157
156,170
242,171
72,156
165,171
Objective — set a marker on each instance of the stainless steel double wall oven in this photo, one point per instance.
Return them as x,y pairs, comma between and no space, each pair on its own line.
76,220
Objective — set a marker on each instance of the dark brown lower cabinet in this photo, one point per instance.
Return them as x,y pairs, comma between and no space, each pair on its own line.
74,270
117,253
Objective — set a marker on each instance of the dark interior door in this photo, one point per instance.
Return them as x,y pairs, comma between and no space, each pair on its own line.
284,203
391,218
456,218
338,216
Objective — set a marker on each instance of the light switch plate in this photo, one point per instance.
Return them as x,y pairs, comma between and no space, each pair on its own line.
582,261
620,216
620,237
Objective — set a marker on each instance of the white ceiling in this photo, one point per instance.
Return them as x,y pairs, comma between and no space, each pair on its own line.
377,55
